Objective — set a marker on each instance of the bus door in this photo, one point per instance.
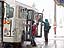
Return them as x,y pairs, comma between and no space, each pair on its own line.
30,17
39,24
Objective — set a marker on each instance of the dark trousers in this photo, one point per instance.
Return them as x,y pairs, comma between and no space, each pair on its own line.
46,36
33,41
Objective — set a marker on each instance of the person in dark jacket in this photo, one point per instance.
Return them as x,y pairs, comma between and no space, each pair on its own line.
46,30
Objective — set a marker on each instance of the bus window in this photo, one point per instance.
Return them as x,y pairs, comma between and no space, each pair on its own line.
29,14
23,13
11,12
0,10
7,9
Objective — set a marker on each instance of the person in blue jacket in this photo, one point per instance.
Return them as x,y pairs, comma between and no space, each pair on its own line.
46,30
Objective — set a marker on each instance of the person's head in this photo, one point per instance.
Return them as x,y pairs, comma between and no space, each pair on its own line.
46,20
33,22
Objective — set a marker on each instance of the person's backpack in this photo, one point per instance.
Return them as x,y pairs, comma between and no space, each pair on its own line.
49,27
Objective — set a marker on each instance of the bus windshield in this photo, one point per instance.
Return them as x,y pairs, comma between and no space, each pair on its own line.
9,11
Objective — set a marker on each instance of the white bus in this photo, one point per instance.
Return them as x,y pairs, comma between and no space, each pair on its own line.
13,22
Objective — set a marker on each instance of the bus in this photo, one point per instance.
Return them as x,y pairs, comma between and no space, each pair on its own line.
13,22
